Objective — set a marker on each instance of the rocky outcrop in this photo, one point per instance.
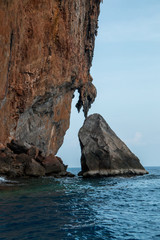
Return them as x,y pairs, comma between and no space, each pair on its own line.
46,50
18,161
103,153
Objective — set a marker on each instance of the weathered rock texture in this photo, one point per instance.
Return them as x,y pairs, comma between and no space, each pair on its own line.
46,50
18,161
103,153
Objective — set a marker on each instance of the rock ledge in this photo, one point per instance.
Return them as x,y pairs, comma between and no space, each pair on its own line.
17,160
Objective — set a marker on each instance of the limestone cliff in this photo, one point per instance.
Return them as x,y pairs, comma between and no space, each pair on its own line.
46,50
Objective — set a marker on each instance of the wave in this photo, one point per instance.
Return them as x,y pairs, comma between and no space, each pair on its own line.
3,179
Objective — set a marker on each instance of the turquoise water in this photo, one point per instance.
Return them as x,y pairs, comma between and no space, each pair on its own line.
75,208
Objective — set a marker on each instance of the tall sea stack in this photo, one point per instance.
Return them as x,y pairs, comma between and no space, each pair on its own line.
104,153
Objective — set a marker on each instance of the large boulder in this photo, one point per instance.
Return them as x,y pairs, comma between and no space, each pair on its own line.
12,165
53,164
34,169
103,153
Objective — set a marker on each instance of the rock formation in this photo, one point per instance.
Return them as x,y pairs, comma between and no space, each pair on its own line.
19,161
103,153
46,50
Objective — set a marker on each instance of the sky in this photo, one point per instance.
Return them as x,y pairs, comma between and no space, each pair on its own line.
126,73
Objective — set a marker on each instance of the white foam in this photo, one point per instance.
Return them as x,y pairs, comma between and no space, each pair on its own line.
2,179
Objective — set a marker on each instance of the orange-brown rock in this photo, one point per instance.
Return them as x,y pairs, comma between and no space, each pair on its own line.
46,50
34,169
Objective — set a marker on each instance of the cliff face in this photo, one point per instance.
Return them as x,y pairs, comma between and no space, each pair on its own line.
46,50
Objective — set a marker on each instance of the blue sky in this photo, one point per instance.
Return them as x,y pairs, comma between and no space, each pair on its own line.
126,73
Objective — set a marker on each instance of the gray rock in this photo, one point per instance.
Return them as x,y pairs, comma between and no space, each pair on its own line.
103,153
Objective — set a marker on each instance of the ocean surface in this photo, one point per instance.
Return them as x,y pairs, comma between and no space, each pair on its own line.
75,208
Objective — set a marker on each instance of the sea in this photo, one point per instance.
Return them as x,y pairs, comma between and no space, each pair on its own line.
75,208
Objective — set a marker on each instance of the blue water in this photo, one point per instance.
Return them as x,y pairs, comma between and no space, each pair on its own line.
76,208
